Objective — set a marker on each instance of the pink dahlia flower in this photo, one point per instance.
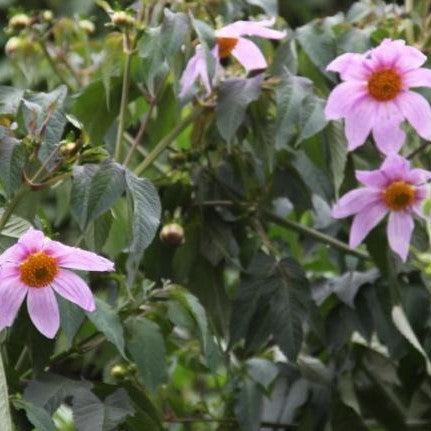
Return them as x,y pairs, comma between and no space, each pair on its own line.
395,189
230,41
376,95
36,267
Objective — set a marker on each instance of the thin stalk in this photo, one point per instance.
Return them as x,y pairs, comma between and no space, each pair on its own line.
297,227
167,140
5,417
54,65
124,100
140,134
315,234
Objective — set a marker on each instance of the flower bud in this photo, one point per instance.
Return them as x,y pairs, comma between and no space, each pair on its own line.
47,15
172,234
13,45
68,149
87,26
118,371
20,21
122,19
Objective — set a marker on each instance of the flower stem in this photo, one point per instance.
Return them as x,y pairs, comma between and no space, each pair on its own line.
54,66
124,100
5,417
167,140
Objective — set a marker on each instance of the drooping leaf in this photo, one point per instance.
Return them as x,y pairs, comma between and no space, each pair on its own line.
95,189
38,416
146,218
234,97
147,348
106,320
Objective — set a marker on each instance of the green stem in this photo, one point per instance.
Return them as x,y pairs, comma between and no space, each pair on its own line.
298,227
409,5
315,234
167,140
55,68
5,417
123,105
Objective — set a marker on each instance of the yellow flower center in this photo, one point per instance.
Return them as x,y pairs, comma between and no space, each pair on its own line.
226,45
384,85
399,195
38,269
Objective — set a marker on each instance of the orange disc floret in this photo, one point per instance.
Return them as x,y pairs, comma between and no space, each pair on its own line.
226,45
399,195
38,269
384,85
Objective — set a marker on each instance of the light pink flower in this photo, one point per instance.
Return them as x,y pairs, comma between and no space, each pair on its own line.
195,70
229,41
375,95
36,267
395,189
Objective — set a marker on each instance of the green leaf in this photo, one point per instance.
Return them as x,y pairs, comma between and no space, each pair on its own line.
270,7
10,99
36,415
271,301
147,348
15,226
49,390
146,218
234,97
299,111
403,325
91,414
45,119
12,160
337,145
91,107
262,371
344,417
5,416
71,318
174,32
106,320
248,406
95,189
318,41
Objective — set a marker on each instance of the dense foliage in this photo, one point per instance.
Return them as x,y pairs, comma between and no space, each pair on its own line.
236,300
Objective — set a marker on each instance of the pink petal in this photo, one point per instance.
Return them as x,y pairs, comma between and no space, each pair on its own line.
400,229
418,176
342,98
196,69
12,294
249,55
355,201
410,58
76,258
418,78
350,66
74,288
417,111
360,122
387,132
251,28
365,221
43,310
375,178
387,53
14,254
32,240
395,167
